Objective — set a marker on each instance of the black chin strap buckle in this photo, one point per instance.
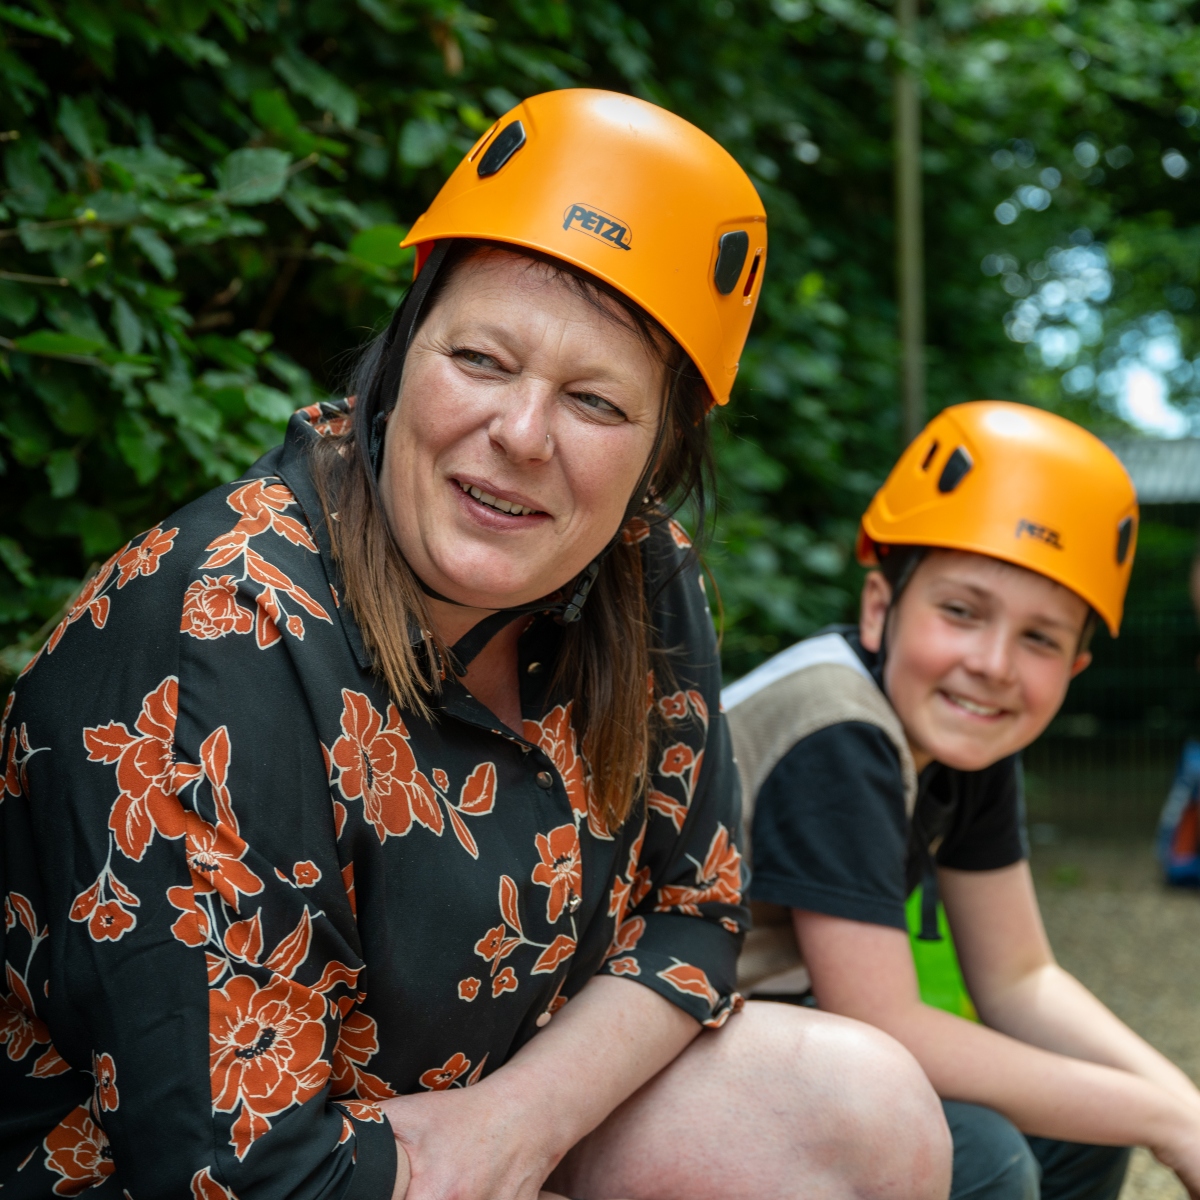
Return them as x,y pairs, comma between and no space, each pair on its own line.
583,585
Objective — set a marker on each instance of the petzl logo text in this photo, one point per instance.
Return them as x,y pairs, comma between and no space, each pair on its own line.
1041,533
599,225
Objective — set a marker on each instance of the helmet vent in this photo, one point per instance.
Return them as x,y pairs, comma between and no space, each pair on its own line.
731,258
933,449
504,145
955,470
1124,537
753,273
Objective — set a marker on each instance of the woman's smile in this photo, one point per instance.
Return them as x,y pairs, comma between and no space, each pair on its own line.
502,509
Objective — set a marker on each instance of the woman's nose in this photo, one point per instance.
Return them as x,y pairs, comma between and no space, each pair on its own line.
521,427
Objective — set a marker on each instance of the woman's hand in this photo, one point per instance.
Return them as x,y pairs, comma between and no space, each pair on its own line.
471,1144
501,1138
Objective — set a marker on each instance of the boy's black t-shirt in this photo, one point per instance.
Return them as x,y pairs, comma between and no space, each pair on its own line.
830,833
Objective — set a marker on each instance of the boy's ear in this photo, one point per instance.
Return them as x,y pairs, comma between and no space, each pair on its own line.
1081,663
873,610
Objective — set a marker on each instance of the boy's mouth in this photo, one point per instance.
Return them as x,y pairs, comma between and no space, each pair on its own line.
972,706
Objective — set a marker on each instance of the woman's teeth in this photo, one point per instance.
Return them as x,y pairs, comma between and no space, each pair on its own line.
979,710
517,510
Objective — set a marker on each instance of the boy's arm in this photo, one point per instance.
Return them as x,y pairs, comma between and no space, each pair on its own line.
1020,990
866,971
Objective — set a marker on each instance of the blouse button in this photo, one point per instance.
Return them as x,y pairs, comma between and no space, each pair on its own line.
544,780
534,668
574,902
543,1020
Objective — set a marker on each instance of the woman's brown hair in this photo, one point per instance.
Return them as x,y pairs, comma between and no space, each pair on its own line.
608,654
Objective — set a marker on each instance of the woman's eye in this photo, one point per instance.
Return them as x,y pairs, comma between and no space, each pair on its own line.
475,357
597,404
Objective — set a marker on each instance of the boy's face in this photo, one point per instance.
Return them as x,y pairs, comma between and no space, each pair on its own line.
979,655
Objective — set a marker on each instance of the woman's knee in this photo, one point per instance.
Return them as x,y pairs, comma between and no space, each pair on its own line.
876,1123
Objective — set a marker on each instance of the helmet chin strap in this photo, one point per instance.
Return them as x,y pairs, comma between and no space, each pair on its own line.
380,403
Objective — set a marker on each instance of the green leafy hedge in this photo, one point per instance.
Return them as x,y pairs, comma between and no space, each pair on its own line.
203,202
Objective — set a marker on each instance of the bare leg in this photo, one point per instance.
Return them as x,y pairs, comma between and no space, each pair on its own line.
782,1103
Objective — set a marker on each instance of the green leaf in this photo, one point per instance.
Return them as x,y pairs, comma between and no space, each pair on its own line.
140,444
17,303
155,249
129,329
58,345
270,403
62,470
82,126
253,176
32,185
380,245
99,531
17,561
421,142
256,339
44,26
326,92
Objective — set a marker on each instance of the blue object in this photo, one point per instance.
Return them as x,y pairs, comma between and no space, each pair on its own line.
1179,824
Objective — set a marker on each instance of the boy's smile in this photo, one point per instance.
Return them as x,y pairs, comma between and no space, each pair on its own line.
979,655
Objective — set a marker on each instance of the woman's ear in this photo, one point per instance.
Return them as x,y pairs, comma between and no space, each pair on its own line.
876,599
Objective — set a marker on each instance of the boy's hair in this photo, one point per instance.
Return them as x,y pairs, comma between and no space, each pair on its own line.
899,563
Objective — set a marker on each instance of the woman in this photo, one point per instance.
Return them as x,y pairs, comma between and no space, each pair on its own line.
332,790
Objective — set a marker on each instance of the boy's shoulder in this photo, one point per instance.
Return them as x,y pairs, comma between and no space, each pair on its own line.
820,683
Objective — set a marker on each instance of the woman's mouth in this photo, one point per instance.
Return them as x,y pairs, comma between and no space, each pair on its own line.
496,503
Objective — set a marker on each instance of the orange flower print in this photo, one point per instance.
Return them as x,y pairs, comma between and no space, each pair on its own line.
561,869
214,854
205,1187
91,601
211,610
142,559
192,928
674,707
625,965
440,1078
16,769
679,534
110,921
718,880
375,764
265,1052
78,1152
21,1029
468,989
105,1071
554,735
636,529
130,561
441,779
496,945
684,977
676,759
306,874
326,419
506,981
357,1044
146,775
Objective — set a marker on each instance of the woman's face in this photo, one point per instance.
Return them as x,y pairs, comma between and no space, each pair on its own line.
524,421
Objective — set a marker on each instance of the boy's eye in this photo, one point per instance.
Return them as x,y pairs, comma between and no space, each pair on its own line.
959,611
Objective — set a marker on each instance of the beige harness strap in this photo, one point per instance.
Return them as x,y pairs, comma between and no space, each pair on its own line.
765,723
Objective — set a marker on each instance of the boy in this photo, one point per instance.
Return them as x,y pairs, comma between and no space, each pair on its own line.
879,759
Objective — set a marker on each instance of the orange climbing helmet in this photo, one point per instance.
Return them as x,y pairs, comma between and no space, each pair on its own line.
629,193
1018,484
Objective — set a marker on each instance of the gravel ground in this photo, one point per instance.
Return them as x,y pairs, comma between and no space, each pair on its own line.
1134,943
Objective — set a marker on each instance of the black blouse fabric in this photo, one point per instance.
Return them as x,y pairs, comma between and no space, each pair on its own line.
245,897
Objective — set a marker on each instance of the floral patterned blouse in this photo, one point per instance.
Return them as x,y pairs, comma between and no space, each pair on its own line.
246,897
